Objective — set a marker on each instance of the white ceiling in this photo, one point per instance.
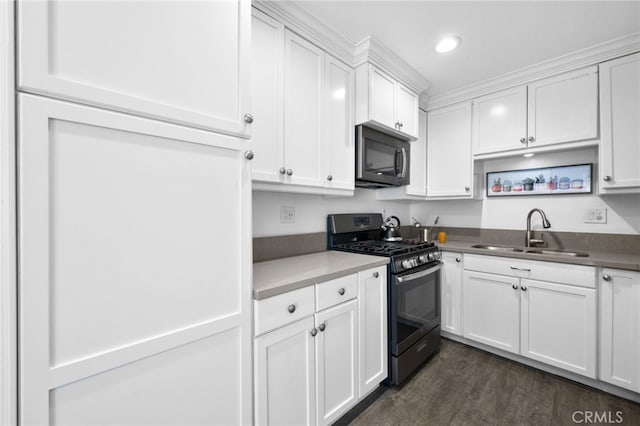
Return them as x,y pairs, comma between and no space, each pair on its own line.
497,36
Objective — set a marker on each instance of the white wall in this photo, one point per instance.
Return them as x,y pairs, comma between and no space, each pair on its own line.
311,211
565,212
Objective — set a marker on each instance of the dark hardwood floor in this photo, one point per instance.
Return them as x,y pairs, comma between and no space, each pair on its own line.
465,386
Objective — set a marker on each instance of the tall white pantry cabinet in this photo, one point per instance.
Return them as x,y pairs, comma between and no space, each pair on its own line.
134,213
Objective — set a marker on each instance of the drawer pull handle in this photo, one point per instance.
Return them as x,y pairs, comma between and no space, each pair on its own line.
291,308
341,291
521,269
321,327
458,259
606,277
314,332
376,275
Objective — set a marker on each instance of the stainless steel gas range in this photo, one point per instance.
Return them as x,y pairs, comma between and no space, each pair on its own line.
413,288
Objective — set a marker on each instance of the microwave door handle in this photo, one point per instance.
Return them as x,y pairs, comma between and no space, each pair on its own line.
404,163
396,171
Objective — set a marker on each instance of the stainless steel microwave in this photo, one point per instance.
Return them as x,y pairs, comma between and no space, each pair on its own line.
382,159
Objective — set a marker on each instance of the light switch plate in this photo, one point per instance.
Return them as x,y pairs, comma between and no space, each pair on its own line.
598,215
287,214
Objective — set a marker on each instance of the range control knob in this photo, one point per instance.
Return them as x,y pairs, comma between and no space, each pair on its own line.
423,259
431,257
406,264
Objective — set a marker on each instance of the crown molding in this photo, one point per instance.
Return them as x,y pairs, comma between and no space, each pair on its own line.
372,51
300,21
581,58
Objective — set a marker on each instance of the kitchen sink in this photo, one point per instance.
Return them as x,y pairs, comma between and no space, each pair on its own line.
498,248
549,252
557,252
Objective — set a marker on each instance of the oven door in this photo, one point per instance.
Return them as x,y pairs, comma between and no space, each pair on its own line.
415,306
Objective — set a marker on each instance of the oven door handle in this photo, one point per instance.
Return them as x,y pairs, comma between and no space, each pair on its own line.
420,274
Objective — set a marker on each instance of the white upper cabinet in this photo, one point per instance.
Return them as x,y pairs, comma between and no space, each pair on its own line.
183,62
554,110
383,101
340,149
267,82
303,112
449,160
620,115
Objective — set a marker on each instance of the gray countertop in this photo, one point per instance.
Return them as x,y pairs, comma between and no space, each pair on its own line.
279,276
627,261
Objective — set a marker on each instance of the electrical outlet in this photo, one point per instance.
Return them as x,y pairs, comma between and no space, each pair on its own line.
287,214
596,216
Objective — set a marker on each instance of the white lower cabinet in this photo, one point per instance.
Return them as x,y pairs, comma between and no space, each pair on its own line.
451,294
312,371
541,310
620,328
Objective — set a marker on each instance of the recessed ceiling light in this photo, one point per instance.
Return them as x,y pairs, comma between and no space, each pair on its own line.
447,44
528,154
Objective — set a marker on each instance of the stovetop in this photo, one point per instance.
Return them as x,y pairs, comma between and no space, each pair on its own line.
384,248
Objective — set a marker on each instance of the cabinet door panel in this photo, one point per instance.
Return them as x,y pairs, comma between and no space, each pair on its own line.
620,329
563,108
492,310
452,293
372,322
407,110
449,161
303,127
285,376
340,150
418,170
381,97
267,42
559,326
336,360
620,115
500,121
121,264
160,59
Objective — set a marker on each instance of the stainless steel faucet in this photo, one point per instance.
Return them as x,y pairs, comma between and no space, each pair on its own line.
545,224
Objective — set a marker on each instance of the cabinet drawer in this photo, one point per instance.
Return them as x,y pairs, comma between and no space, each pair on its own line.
583,276
283,309
336,291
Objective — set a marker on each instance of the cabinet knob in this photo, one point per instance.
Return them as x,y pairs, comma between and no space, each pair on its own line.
341,291
466,188
329,178
606,178
289,172
314,332
321,327
523,140
515,286
606,277
248,155
248,118
401,124
291,308
523,287
532,139
458,259
282,170
376,275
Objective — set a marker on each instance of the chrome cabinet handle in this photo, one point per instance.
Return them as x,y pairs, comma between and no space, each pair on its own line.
514,286
523,140
606,277
458,259
520,269
606,178
523,287
314,332
291,308
321,327
532,139
248,155
466,188
329,178
376,275
248,118
289,172
282,170
341,291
